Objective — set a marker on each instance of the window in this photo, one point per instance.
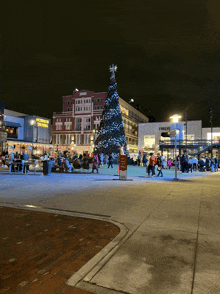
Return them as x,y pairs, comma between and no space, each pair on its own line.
86,139
68,119
58,139
87,119
78,124
68,127
58,127
67,139
78,139
95,107
58,120
149,141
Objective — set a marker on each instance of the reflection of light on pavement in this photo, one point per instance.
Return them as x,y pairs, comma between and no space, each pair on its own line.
31,206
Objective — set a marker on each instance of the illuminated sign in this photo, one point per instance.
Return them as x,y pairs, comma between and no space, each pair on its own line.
124,110
43,123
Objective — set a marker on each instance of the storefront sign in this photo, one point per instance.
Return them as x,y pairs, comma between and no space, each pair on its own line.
123,167
43,123
164,128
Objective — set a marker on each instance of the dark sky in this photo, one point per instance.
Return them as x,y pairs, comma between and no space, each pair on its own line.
167,53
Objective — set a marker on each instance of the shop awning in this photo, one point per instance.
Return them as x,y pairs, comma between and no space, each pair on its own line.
12,124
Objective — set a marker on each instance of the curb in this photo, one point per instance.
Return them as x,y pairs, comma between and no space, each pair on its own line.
87,271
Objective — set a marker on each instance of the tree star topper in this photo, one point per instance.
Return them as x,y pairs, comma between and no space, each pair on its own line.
113,68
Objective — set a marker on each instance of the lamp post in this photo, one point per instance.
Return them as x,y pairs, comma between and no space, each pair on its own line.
175,119
32,123
210,119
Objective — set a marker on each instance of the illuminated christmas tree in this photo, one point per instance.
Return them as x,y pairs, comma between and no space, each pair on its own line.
111,136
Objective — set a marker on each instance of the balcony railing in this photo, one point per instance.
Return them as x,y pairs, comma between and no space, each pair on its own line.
189,142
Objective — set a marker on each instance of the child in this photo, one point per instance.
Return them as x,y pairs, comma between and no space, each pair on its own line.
169,163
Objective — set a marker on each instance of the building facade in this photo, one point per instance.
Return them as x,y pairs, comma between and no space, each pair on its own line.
28,133
151,135
155,137
76,127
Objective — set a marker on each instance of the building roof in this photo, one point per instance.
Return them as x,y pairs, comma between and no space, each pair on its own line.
13,113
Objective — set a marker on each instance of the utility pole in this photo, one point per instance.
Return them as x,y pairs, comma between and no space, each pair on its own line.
210,120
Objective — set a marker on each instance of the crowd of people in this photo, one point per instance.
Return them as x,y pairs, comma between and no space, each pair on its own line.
154,164
61,161
185,164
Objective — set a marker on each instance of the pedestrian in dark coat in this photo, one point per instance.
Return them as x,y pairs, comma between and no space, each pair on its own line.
110,159
207,163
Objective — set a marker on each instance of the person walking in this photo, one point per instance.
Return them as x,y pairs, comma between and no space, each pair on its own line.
160,165
151,165
110,159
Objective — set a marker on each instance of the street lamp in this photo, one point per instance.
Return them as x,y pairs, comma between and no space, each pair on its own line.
175,119
32,123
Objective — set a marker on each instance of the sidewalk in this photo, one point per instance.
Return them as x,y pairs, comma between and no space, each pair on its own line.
41,251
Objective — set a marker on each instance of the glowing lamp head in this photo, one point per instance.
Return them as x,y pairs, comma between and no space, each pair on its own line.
32,122
175,118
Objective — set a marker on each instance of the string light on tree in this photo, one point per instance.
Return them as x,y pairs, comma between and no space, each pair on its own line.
111,137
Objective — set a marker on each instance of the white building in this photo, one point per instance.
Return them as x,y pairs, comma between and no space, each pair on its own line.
154,137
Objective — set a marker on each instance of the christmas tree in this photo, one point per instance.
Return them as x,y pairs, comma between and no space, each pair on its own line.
111,136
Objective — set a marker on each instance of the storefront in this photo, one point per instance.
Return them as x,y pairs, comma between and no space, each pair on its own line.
25,133
20,147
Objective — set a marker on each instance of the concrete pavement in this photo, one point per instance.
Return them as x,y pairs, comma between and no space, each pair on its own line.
172,244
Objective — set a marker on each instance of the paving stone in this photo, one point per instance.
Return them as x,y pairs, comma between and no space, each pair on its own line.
41,257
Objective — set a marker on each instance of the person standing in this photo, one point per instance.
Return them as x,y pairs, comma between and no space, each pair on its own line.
207,163
169,163
178,162
110,159
95,165
216,164
144,160
101,158
139,159
194,163
212,165
165,162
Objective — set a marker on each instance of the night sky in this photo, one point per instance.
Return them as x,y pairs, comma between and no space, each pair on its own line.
167,53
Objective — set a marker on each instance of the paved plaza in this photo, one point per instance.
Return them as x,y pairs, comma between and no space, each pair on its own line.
169,236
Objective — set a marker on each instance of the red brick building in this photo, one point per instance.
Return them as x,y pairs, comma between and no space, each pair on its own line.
75,128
